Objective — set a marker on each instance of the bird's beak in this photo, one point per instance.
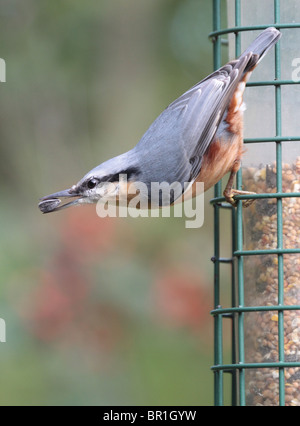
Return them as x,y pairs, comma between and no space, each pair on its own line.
52,202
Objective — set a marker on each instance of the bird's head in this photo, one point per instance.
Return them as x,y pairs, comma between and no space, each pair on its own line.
107,181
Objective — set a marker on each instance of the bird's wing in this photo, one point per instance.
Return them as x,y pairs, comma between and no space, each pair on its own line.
205,105
179,137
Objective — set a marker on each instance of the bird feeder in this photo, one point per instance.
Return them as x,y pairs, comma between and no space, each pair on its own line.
264,314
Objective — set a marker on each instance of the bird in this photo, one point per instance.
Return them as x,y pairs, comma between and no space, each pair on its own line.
197,138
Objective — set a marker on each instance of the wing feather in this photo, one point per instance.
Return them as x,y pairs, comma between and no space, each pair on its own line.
177,140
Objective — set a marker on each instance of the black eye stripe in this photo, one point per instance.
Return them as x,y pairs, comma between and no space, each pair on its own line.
93,182
116,177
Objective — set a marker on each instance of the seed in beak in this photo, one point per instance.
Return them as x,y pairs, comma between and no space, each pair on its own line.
48,206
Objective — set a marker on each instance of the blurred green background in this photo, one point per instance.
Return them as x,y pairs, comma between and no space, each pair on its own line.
114,311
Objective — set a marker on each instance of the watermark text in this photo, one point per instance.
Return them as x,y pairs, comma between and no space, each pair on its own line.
160,199
2,71
296,71
2,331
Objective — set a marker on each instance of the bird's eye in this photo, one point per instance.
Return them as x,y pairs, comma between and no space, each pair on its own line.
92,183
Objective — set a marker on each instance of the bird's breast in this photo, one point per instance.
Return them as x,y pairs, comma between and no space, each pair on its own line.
219,160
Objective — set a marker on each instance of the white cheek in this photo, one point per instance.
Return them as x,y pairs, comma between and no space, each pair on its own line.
106,190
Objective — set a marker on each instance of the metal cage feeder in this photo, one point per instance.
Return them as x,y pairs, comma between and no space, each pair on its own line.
264,314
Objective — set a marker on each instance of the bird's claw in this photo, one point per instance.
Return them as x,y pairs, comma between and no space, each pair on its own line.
229,196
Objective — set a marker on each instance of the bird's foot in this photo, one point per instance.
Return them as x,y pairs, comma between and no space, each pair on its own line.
230,194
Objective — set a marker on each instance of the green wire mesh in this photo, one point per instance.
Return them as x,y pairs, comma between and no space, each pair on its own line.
236,313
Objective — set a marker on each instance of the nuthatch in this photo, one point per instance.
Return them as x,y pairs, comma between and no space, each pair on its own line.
197,138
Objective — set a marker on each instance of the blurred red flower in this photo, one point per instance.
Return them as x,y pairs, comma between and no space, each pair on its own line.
58,299
181,299
84,233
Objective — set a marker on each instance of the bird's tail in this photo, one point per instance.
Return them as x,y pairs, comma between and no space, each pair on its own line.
261,45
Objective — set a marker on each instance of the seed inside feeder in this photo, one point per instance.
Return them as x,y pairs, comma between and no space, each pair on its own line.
261,285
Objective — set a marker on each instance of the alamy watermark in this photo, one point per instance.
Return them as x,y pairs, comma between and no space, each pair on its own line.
2,71
136,199
296,71
2,331
2,80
